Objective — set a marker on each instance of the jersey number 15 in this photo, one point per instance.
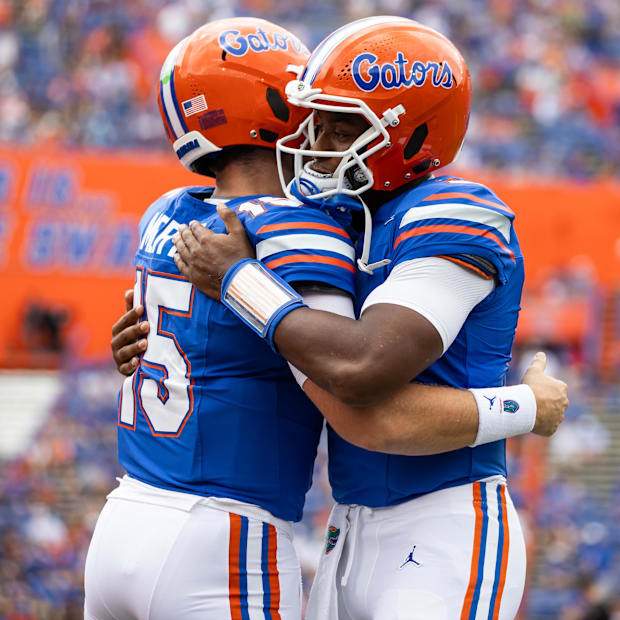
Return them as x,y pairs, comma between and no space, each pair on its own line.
161,387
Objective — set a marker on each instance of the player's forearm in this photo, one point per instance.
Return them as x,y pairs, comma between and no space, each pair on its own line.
416,420
361,361
326,347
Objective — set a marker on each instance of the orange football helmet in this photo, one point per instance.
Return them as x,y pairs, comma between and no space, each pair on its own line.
408,81
224,84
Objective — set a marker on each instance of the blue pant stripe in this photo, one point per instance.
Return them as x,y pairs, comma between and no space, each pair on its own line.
500,551
243,568
265,570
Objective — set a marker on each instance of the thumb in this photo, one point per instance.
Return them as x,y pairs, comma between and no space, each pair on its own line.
539,362
231,221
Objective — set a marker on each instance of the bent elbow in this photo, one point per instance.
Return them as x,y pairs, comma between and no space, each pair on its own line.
355,385
361,438
374,442
357,397
379,435
366,433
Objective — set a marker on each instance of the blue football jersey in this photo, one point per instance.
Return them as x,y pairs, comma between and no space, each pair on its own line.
467,223
211,409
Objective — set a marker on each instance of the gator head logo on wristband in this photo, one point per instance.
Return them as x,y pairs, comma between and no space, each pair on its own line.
332,538
511,406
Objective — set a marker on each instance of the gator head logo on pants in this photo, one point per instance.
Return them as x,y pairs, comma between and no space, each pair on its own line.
332,538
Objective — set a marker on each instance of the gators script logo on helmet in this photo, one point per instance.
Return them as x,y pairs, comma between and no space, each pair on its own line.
407,81
223,86
234,42
368,73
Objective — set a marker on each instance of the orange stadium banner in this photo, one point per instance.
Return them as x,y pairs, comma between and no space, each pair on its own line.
68,234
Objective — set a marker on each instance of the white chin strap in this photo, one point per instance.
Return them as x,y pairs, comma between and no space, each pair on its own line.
311,182
362,262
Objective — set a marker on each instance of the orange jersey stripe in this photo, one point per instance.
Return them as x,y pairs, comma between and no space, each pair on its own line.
502,575
234,589
274,578
309,258
475,556
453,228
297,225
459,196
467,265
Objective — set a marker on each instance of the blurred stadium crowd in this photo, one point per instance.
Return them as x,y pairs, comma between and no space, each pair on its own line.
546,77
546,73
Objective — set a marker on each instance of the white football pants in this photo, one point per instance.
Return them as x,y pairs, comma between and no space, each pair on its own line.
455,554
158,562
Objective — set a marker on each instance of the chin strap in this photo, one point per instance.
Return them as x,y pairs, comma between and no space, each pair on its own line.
362,263
313,182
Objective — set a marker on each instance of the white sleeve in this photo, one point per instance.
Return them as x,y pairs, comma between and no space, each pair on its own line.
441,291
337,303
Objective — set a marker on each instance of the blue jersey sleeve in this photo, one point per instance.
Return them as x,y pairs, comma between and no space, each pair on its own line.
468,225
163,203
300,243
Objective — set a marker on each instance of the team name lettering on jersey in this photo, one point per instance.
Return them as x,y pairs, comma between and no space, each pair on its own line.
368,74
158,232
237,44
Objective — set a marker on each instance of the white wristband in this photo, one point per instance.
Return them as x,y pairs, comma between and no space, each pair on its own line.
504,412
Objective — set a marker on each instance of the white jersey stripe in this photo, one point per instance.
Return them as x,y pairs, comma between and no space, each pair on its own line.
336,38
283,243
459,211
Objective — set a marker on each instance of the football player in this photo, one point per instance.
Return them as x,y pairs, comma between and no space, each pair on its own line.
217,439
438,293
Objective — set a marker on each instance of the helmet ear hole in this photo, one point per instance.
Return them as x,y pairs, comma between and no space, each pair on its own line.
423,167
267,136
278,105
416,141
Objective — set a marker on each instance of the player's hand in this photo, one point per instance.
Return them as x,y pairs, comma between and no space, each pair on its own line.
128,337
204,257
551,396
